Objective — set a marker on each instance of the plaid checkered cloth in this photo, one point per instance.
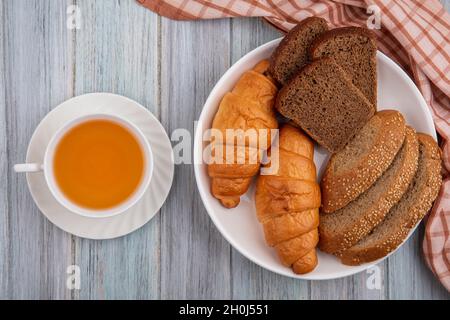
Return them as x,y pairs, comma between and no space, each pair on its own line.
414,33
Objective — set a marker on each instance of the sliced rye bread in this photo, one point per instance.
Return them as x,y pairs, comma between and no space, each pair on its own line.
413,206
352,171
344,228
324,103
292,53
354,49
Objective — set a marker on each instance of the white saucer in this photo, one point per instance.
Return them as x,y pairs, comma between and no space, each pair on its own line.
140,213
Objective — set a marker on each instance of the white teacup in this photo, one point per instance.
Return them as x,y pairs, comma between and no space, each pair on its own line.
47,167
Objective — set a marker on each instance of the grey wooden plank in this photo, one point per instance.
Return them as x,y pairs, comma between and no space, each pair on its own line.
446,4
37,77
339,289
116,51
357,287
249,280
371,284
409,277
195,260
4,167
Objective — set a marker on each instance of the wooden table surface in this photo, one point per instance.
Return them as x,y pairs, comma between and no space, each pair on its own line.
169,67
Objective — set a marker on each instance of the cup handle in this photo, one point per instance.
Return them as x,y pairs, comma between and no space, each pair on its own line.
28,167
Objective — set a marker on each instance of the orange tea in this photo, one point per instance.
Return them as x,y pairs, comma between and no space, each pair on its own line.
98,164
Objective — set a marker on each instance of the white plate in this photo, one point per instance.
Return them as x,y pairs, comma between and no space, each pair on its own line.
141,212
239,225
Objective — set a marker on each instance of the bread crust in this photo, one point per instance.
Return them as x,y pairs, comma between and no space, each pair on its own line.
370,217
331,34
290,225
291,250
286,195
275,59
346,85
340,188
350,31
287,202
420,203
249,106
306,264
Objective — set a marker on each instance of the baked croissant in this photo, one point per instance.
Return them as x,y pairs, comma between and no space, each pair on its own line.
249,107
288,201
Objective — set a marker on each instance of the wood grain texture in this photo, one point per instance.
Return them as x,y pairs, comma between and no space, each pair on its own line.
4,169
170,67
37,71
116,51
409,277
195,258
366,287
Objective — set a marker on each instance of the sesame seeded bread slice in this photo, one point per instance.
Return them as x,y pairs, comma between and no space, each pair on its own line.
352,171
292,52
324,103
354,49
413,206
344,228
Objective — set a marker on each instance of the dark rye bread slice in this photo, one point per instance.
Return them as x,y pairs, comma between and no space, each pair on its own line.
413,206
355,168
292,53
324,103
344,228
354,49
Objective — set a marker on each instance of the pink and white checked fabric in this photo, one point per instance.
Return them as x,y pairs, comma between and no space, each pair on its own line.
414,33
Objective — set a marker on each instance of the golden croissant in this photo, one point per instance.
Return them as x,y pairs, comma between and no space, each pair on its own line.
288,201
248,108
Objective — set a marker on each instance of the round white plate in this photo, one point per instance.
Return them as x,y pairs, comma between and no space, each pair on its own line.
141,212
239,225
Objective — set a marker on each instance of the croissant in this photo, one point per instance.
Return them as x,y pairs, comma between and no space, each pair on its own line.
288,201
249,107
